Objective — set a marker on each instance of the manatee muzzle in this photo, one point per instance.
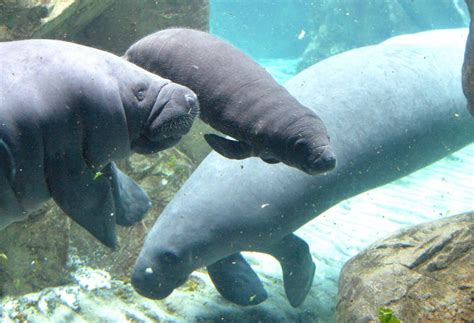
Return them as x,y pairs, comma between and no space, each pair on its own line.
322,160
170,118
317,160
173,113
155,282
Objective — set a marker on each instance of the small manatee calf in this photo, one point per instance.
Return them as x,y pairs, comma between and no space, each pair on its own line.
390,109
66,113
239,98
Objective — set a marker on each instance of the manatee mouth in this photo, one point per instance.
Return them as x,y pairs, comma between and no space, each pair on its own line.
175,127
148,287
170,119
173,118
325,161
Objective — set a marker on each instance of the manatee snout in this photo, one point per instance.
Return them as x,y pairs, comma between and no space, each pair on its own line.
173,113
311,153
171,117
157,277
321,160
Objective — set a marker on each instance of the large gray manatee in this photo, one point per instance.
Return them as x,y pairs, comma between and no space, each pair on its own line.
390,109
66,113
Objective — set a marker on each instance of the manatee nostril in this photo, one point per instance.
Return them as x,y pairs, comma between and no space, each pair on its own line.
326,161
192,102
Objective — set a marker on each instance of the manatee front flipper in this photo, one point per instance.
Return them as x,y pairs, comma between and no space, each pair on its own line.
131,201
228,148
82,195
236,281
297,264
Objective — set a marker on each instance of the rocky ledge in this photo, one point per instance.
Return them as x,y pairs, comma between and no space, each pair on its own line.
425,273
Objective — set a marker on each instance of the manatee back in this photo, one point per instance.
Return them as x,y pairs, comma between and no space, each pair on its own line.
227,81
389,110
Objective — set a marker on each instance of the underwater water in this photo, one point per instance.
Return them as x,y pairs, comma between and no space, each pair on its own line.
285,37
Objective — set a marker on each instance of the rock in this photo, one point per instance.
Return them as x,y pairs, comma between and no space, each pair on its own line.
425,273
340,25
35,252
127,21
47,18
96,297
468,65
193,144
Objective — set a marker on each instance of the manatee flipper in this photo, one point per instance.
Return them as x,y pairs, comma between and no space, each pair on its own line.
298,267
131,201
83,196
228,148
270,160
236,281
6,162
10,209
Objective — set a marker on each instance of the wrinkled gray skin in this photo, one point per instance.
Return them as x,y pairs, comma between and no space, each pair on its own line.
67,112
239,98
389,109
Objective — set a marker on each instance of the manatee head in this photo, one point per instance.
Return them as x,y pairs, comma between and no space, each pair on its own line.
307,146
310,155
158,271
170,117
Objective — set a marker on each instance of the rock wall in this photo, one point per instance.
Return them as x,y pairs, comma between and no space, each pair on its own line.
127,21
423,274
340,25
47,18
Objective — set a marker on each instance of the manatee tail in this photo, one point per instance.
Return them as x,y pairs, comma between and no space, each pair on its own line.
236,281
297,265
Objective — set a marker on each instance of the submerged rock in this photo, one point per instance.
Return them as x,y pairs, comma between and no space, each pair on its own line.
112,25
340,25
127,21
425,273
95,296
47,18
34,253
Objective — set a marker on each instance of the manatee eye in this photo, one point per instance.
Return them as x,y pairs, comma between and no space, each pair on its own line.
140,95
170,258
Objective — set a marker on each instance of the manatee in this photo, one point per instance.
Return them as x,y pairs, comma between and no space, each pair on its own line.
239,98
390,109
468,65
67,112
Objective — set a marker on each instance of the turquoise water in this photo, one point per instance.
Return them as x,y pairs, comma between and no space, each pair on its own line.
284,36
